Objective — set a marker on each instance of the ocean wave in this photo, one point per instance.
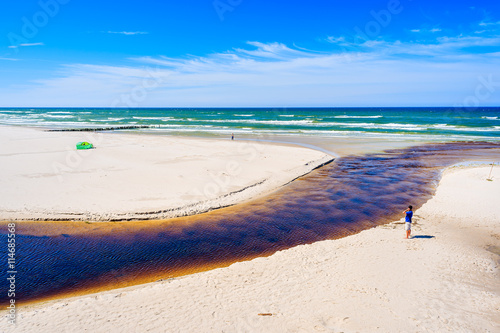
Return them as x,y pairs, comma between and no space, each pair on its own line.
76,124
322,133
17,122
244,115
490,118
57,116
284,122
401,136
107,119
396,126
315,123
442,126
404,134
357,117
183,126
40,123
462,128
24,116
255,121
154,118
200,129
372,126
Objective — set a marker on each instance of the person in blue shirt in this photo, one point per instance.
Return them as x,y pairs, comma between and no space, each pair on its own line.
408,215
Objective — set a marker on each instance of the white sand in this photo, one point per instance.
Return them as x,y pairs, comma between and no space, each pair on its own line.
43,176
375,281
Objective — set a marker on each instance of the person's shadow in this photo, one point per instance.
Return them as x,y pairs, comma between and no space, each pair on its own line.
422,236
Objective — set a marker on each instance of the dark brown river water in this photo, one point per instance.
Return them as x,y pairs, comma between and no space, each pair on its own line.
55,259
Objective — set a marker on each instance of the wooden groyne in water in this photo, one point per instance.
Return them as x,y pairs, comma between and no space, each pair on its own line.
97,129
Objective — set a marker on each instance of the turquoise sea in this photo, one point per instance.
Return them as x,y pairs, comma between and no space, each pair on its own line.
429,123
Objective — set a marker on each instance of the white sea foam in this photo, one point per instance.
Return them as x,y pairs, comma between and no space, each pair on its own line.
208,129
57,116
462,128
490,118
312,122
106,120
59,124
183,126
406,127
254,121
357,117
306,122
154,118
481,129
442,126
372,126
200,129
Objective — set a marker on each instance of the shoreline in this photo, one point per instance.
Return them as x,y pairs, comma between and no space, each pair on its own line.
444,278
251,170
325,149
250,192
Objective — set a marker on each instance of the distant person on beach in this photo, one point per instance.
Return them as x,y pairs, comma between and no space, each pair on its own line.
232,136
408,215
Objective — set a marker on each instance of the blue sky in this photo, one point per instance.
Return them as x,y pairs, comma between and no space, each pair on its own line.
249,53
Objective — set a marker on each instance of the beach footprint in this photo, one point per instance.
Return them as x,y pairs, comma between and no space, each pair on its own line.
334,324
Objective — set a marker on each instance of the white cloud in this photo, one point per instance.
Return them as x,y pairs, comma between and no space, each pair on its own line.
439,47
485,24
370,73
25,44
336,40
433,30
128,33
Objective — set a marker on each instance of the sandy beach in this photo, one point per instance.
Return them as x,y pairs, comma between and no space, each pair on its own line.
444,279
137,177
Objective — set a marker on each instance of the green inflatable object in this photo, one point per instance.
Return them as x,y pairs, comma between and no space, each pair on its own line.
84,145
